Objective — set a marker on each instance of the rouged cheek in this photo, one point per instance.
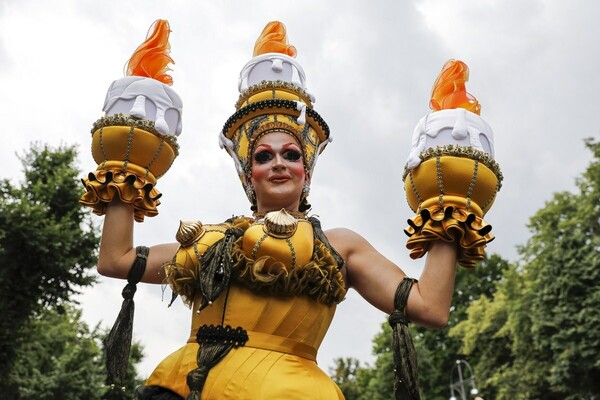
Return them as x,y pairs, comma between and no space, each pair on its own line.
260,172
263,171
296,168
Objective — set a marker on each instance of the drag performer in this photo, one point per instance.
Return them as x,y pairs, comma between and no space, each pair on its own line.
262,289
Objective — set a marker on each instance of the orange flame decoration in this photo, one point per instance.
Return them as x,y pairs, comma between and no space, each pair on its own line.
151,58
449,89
273,39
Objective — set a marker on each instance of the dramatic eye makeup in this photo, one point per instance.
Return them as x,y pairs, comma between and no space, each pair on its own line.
263,156
292,155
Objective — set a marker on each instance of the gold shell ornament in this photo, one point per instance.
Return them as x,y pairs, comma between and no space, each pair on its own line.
280,224
189,232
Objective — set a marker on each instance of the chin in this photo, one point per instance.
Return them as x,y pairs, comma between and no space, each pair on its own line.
278,202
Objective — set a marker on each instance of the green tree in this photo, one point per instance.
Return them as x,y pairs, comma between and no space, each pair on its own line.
47,244
368,382
61,358
344,373
378,381
484,337
438,351
541,332
562,266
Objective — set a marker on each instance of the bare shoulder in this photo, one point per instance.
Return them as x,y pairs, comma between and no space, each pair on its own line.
342,234
345,241
371,274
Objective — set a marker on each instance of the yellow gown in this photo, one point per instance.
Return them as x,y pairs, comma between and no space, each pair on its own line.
285,331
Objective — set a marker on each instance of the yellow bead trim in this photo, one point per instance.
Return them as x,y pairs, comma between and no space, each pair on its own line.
463,152
125,120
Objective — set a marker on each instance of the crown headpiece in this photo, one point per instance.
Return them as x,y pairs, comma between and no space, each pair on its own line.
273,97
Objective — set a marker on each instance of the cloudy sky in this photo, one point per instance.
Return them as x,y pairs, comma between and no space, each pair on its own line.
534,68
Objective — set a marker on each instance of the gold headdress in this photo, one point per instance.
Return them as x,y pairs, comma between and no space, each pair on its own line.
273,97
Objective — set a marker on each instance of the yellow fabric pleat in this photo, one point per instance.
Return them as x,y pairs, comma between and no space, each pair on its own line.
278,360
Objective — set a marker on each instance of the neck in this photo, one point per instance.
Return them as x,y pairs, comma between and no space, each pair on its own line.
266,207
295,213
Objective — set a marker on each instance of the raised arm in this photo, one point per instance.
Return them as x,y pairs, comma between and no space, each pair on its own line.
117,253
376,278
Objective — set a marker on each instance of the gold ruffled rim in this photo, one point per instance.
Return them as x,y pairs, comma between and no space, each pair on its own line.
145,124
103,185
450,224
463,152
270,85
319,279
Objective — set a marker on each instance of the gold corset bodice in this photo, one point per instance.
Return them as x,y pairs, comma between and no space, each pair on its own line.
275,296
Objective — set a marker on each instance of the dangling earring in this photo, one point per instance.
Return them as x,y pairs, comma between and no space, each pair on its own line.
305,190
250,194
249,189
304,204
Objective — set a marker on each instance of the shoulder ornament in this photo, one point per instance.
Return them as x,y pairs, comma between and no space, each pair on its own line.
189,232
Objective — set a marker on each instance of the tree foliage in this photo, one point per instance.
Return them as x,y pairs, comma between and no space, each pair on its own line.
562,269
345,374
484,340
530,330
378,380
540,334
61,358
368,382
46,241
437,352
47,245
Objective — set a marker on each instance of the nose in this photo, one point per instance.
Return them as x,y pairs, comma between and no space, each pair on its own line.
278,162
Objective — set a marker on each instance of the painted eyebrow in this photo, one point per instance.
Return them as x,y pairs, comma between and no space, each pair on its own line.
284,147
263,145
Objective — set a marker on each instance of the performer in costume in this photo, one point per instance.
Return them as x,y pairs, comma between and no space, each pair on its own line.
262,289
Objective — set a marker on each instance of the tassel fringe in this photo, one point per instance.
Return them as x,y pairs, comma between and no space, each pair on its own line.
118,342
216,266
406,374
215,342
